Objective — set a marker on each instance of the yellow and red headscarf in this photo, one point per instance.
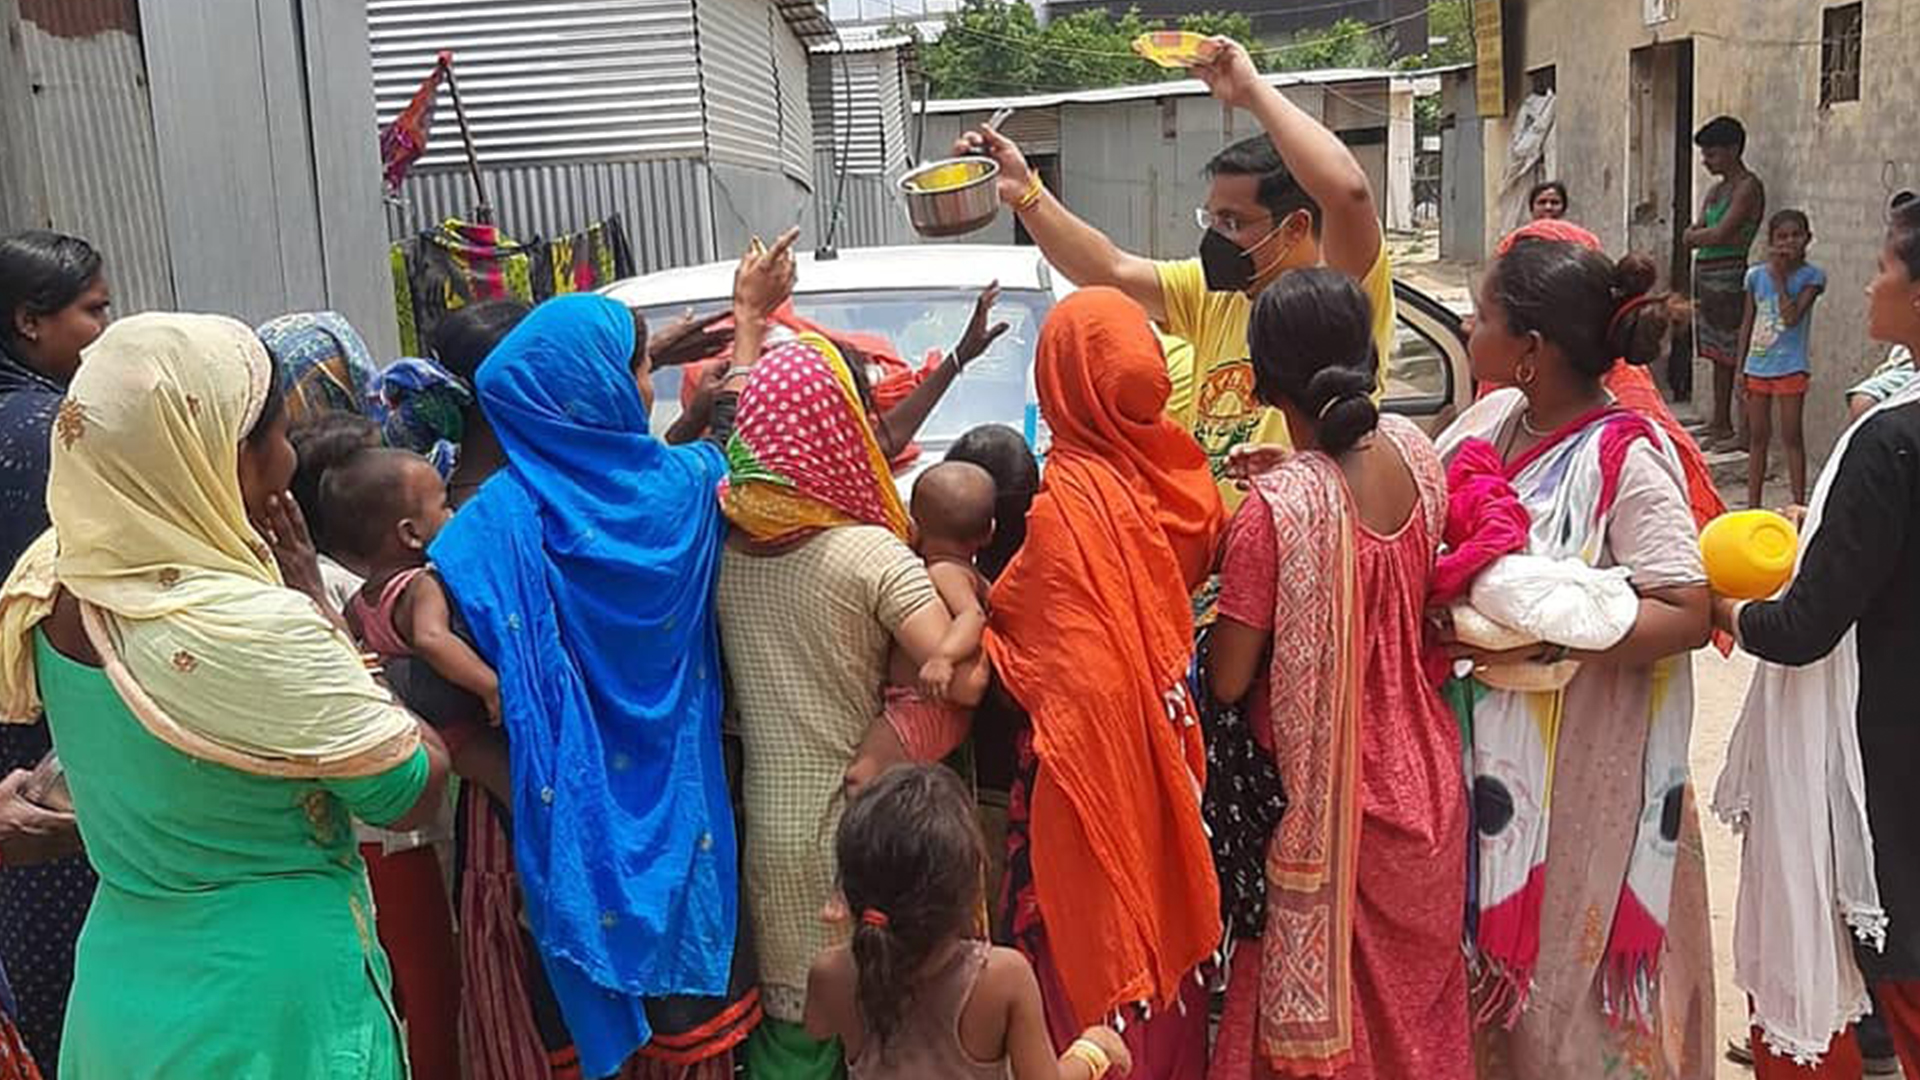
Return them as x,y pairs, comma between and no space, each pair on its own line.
803,456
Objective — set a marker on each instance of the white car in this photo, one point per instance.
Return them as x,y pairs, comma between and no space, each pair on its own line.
920,298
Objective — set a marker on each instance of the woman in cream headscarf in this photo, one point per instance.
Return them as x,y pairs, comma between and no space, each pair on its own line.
218,731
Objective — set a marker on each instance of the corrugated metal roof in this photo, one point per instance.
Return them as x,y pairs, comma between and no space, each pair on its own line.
1176,88
808,20
546,79
854,42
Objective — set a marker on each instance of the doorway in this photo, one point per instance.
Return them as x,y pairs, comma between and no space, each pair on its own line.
1661,170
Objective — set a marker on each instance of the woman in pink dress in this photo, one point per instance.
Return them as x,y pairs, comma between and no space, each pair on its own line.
1359,972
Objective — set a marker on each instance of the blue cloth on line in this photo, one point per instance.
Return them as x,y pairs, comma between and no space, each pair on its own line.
585,570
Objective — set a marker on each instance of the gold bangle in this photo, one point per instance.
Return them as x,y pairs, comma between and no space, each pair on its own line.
1088,1053
1031,196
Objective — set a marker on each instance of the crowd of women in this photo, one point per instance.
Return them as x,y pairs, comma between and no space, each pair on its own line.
267,597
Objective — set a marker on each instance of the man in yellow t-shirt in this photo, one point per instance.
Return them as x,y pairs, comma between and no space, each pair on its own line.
1294,197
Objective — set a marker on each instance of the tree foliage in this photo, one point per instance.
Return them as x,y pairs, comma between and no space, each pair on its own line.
997,48
1348,43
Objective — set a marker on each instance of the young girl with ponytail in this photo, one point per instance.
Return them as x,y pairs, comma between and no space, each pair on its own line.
917,994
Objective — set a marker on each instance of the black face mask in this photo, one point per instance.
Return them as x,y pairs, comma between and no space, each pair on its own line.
1227,268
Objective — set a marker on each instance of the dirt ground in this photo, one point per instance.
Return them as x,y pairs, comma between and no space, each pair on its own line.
1720,685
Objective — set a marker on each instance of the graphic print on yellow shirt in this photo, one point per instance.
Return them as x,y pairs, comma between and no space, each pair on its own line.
1212,373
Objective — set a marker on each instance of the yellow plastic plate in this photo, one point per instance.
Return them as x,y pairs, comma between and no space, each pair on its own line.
1173,48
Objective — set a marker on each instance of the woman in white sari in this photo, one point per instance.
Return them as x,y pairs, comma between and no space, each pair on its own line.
1592,947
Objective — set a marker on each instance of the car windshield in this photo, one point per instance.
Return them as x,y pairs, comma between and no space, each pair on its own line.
918,323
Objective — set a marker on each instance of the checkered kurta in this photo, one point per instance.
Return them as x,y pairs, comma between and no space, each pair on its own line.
806,635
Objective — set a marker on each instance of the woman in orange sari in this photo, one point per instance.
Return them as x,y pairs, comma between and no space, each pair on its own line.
1110,879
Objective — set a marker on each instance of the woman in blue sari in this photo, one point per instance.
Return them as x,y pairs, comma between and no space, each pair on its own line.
584,570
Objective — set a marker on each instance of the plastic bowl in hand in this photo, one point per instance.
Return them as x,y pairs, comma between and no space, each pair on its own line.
1749,553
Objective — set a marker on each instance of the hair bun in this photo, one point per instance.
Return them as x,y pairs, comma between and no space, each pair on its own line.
1634,275
1342,401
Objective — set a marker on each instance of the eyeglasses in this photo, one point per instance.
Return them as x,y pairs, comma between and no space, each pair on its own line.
1226,224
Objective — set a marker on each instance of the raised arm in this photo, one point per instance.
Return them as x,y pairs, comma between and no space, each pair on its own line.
1322,165
1083,253
901,423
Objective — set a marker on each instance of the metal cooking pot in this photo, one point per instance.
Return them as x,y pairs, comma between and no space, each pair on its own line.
955,210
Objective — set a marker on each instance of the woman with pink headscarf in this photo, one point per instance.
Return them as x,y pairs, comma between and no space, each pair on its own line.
1648,320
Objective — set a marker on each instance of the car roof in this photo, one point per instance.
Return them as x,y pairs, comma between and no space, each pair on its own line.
927,266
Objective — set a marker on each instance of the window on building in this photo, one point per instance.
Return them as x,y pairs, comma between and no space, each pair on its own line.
1840,53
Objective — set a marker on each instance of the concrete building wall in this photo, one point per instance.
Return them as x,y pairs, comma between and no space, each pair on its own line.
1758,60
1463,182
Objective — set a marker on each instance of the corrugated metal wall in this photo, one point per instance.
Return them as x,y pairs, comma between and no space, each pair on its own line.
666,205
870,215
269,169
79,139
736,73
553,80
859,109
790,76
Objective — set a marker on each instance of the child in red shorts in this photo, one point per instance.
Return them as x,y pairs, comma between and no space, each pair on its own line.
1773,337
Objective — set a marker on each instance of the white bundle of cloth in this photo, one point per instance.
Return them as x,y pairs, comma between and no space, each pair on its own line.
1521,600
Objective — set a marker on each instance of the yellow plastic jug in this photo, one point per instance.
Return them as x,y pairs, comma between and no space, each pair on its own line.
1749,553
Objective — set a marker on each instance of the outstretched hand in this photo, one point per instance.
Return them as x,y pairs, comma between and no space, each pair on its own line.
980,337
1015,173
765,276
1228,71
686,340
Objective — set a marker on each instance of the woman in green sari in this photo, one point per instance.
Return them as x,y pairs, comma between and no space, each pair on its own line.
218,731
